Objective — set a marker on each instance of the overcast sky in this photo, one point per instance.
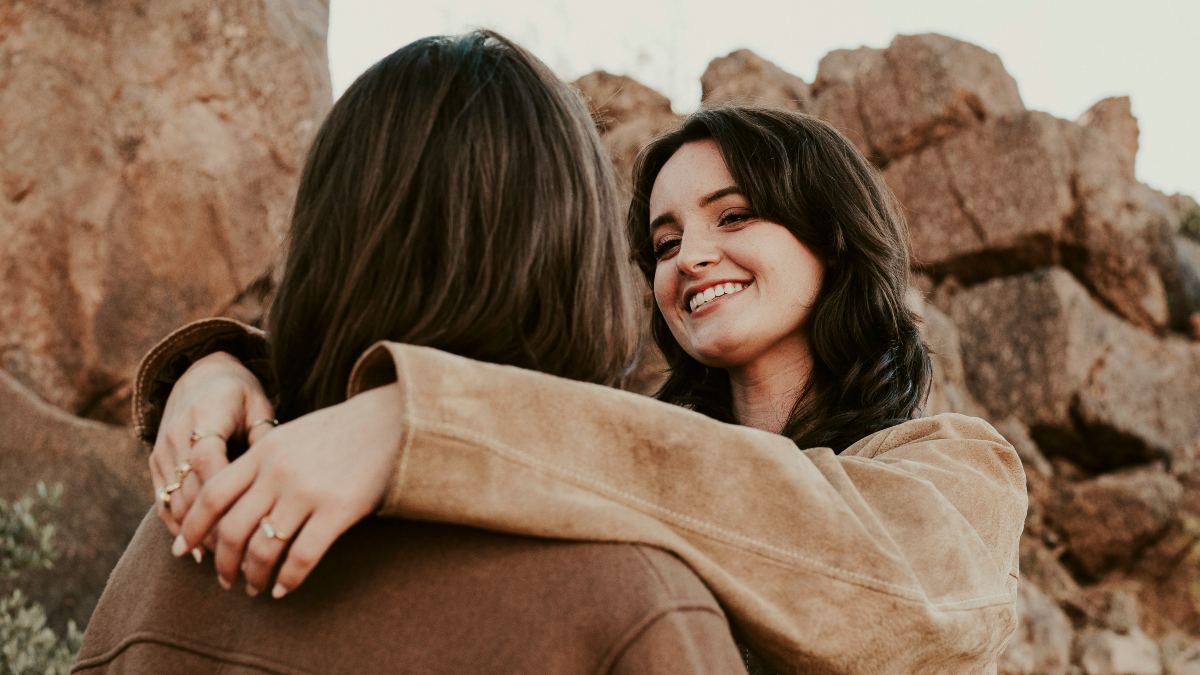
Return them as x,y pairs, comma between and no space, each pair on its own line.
1064,54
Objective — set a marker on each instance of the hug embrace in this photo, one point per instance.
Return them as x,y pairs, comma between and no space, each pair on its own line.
442,473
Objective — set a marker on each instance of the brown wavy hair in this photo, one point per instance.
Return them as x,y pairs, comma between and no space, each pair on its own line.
457,196
871,369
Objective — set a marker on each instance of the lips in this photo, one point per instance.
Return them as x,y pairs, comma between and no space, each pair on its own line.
701,295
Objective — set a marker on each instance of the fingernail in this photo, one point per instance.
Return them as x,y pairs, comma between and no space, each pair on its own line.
251,590
179,547
279,591
198,555
224,584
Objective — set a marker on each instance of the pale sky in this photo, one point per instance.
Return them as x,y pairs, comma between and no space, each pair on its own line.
1065,54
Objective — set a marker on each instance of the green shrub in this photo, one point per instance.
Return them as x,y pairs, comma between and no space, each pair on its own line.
27,644
26,540
1190,225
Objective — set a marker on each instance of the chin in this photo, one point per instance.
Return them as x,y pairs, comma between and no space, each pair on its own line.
717,356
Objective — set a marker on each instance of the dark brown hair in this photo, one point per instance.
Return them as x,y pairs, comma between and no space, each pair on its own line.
871,369
457,196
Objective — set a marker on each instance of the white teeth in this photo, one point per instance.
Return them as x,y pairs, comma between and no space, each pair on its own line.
713,292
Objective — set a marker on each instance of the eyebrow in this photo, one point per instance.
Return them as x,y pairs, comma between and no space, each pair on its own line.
668,218
723,192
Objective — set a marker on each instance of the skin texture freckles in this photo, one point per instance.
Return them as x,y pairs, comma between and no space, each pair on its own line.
704,233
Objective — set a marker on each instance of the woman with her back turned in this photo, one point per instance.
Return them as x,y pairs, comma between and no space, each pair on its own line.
785,462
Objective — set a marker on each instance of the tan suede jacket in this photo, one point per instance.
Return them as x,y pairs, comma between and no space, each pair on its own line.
897,556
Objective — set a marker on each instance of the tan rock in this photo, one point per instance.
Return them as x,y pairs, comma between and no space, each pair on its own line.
948,390
1136,507
1106,652
1038,347
1119,240
106,492
150,157
1181,654
1114,118
989,201
1042,644
919,89
745,78
628,115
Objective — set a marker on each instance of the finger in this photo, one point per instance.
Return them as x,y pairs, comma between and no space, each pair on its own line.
183,498
208,454
258,408
264,552
237,527
314,539
160,509
216,496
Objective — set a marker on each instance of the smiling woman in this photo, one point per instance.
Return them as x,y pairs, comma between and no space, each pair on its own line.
819,346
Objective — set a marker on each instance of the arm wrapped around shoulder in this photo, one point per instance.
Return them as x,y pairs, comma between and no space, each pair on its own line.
898,555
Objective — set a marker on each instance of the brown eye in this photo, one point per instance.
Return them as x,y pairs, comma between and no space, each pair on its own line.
665,246
734,217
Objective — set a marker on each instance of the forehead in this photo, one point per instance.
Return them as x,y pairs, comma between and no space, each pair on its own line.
695,170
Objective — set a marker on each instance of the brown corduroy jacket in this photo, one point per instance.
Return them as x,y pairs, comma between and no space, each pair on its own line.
897,555
395,596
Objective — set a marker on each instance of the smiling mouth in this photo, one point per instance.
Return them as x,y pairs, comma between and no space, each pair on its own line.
713,292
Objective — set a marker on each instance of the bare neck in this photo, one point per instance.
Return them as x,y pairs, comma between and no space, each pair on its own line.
765,391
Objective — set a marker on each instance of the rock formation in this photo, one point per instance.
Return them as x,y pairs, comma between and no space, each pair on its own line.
151,152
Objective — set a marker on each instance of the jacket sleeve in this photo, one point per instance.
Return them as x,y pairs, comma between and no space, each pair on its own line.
166,362
899,555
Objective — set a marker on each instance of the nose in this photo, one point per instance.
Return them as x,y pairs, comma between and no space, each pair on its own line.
695,254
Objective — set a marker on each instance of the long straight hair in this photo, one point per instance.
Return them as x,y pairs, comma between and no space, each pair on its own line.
871,369
457,196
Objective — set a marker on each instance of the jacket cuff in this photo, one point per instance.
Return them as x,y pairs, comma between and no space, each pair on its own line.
166,362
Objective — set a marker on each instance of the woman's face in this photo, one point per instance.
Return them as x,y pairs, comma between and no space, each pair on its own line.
735,289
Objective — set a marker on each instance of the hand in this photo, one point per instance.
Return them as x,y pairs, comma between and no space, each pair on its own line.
219,398
310,479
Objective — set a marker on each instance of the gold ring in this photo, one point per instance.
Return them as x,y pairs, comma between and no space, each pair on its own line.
269,530
198,435
182,471
266,420
164,493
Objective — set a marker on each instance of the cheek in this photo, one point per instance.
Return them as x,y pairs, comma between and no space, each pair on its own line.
665,288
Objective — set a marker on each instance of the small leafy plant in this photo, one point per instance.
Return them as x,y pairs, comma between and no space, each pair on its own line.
27,644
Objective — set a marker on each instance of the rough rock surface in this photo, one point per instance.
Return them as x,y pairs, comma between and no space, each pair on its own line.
628,114
1038,347
1107,652
1135,507
744,78
1042,644
919,89
151,151
1025,191
106,491
1114,118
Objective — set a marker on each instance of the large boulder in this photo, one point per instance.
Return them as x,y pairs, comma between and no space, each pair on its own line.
1114,118
1107,652
628,115
1042,644
1039,348
150,157
1027,190
990,201
745,78
919,89
106,492
1136,507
